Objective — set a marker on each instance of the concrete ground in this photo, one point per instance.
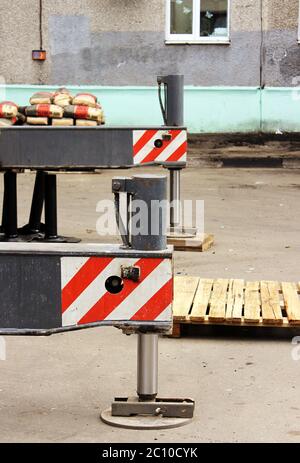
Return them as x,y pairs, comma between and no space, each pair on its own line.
246,386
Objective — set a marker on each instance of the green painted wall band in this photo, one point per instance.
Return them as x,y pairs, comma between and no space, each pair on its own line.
207,109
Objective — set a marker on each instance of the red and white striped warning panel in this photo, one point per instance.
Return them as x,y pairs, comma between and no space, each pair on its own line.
159,146
93,290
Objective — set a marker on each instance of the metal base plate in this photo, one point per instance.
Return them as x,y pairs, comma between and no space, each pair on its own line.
38,237
181,232
57,239
17,239
28,230
143,422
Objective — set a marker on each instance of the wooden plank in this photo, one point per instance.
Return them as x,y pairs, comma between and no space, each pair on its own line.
176,331
235,301
185,289
201,300
225,300
218,301
198,243
292,302
270,303
252,302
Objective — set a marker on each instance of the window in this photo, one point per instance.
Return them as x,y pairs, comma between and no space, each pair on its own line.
197,21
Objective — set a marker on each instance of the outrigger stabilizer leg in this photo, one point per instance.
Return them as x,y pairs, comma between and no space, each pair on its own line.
44,195
147,410
35,225
172,109
9,227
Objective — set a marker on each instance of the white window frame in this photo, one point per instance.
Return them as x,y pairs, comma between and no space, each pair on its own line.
194,38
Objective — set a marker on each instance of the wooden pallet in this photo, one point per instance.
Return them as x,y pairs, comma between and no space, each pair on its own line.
198,243
235,302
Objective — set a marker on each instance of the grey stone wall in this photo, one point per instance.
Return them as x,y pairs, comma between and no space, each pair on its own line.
121,42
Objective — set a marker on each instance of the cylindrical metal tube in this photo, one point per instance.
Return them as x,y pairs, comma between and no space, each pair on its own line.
4,207
50,206
10,205
147,363
175,100
175,205
37,202
174,117
148,224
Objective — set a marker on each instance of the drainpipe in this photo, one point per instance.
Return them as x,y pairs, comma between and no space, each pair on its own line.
261,70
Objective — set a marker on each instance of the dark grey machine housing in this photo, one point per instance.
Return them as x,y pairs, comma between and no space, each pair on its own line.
30,286
68,148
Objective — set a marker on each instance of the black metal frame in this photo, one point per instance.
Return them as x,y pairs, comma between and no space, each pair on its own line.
44,194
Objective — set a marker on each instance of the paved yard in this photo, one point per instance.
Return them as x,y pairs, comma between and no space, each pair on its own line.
246,386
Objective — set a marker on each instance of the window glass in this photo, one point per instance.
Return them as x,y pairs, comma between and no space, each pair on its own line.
213,18
181,16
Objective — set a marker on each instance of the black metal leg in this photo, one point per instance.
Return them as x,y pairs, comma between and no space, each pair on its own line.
34,226
51,233
4,206
50,208
9,213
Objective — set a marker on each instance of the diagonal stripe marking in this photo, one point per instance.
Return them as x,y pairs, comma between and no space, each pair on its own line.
158,278
166,315
94,291
143,140
69,271
147,148
181,139
83,278
157,304
181,151
137,134
155,152
108,302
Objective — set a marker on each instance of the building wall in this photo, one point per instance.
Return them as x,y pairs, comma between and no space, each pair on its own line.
121,42
116,49
281,51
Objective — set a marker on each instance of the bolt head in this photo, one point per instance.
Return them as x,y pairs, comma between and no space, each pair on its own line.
116,186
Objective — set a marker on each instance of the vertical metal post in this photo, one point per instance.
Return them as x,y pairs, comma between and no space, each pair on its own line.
175,206
50,207
133,412
149,195
149,188
175,100
147,367
4,207
174,114
37,203
174,110
10,219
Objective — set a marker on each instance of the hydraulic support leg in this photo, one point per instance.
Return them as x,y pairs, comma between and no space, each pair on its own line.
177,228
146,410
175,205
9,213
51,234
4,206
35,226
173,114
51,209
147,367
